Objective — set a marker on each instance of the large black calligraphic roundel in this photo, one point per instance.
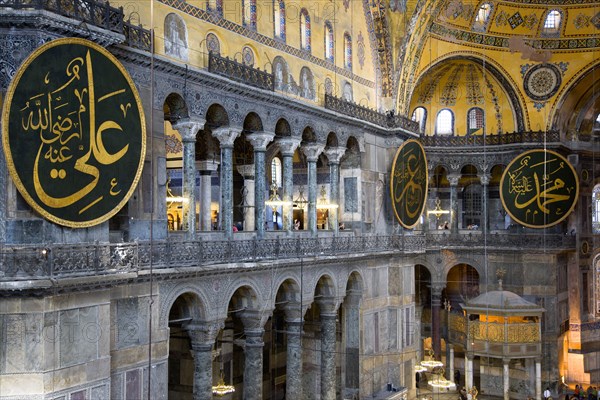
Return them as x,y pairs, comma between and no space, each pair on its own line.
73,132
408,183
539,188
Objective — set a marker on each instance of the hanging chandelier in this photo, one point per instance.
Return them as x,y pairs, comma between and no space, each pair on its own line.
221,389
323,203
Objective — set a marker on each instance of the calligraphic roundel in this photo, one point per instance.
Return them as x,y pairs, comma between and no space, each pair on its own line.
539,188
74,134
408,183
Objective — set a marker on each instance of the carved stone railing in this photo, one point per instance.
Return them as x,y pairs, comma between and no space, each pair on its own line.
60,261
368,114
491,140
497,240
236,71
93,12
137,37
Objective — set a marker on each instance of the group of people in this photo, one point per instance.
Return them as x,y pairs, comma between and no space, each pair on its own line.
591,393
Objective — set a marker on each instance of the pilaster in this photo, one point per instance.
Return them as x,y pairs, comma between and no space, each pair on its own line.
312,152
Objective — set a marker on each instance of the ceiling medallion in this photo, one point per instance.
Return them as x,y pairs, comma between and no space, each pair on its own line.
542,81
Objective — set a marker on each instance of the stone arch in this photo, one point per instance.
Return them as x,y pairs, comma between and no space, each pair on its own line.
175,108
244,294
253,123
348,93
216,116
198,303
175,32
332,140
309,135
325,285
282,128
463,282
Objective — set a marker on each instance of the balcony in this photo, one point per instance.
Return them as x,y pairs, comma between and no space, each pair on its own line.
239,72
492,140
92,12
368,114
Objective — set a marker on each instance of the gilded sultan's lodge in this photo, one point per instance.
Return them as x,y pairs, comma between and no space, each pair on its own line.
334,199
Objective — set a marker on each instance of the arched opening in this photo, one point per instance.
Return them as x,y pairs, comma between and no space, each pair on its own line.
462,283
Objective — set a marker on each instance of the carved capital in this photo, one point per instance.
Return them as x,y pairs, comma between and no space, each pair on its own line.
207,165
485,179
335,154
312,151
260,140
226,135
252,319
203,335
453,179
188,128
328,306
247,171
288,145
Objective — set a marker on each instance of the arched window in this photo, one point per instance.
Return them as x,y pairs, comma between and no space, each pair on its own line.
347,51
215,6
249,19
279,19
304,30
472,206
420,115
444,125
328,41
596,209
276,171
482,17
475,124
552,22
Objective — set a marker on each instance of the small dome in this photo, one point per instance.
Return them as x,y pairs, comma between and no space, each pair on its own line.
501,299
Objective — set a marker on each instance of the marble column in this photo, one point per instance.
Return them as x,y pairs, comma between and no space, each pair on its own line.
436,303
485,220
312,152
226,137
287,146
469,372
202,339
253,368
538,379
247,172
188,128
453,179
293,377
334,155
351,334
259,141
328,353
450,362
506,378
206,169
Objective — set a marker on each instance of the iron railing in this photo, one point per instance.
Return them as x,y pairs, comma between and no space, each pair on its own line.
137,37
491,140
500,240
26,262
240,72
90,11
352,109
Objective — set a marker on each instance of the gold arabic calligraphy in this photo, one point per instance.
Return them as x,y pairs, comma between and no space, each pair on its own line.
67,129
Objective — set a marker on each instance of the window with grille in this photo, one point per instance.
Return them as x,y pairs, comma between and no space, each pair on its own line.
475,121
552,22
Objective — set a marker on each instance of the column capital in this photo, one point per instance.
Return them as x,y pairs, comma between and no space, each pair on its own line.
203,335
226,135
453,179
437,287
207,165
188,128
246,171
288,145
328,306
260,140
484,178
334,154
252,320
312,151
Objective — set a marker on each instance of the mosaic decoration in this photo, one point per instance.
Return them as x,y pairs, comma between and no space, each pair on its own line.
328,86
515,20
581,21
304,14
348,51
212,43
173,145
501,19
530,21
474,93
281,21
380,38
497,109
408,183
346,4
596,20
248,56
429,88
225,24
539,188
361,50
176,37
542,81
74,135
448,97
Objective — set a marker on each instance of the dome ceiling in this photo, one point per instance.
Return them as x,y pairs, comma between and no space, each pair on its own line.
460,85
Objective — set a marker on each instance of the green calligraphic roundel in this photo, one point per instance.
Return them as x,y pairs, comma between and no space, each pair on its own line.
408,183
73,132
539,188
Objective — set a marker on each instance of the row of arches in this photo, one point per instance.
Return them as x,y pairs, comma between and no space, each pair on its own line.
444,122
267,348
